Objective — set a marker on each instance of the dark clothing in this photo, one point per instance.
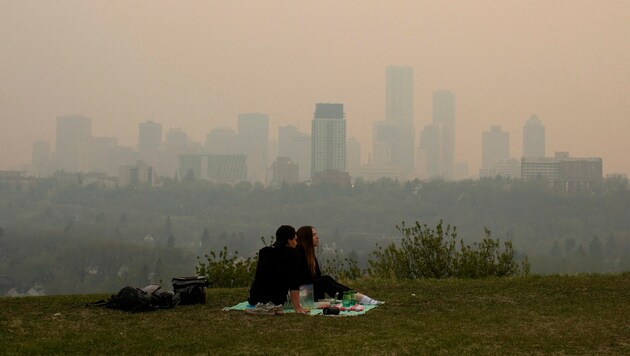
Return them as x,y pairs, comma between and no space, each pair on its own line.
321,284
276,274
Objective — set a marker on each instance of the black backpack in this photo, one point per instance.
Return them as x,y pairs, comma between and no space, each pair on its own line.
190,290
135,299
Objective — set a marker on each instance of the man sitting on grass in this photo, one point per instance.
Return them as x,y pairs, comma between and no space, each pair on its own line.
276,274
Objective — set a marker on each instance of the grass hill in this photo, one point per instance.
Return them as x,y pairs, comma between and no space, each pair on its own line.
586,314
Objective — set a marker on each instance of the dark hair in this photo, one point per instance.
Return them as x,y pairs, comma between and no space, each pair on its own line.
305,239
284,234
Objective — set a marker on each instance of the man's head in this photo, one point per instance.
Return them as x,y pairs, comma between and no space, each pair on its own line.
285,235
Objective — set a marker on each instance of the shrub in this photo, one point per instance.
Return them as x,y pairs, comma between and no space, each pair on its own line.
433,253
345,268
226,270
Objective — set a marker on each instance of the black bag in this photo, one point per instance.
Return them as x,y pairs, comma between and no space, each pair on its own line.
190,290
135,299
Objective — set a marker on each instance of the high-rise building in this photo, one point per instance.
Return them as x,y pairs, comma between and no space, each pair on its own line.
253,137
533,138
286,141
297,146
399,95
328,152
149,142
394,139
284,171
74,133
176,140
495,146
149,136
394,145
444,117
437,140
175,144
222,140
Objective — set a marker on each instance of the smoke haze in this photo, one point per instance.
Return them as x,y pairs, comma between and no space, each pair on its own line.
197,64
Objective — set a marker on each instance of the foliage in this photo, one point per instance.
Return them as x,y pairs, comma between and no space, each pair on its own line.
343,268
126,230
227,270
432,253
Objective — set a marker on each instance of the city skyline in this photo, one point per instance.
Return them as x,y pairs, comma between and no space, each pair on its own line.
198,66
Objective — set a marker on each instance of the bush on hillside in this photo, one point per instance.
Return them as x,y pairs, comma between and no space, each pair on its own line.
436,253
344,268
227,270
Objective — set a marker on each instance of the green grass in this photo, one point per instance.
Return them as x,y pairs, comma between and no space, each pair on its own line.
588,314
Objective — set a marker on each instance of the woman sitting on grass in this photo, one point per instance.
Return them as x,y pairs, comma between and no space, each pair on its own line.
309,272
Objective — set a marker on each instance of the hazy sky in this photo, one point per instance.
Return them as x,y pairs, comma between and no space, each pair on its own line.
197,64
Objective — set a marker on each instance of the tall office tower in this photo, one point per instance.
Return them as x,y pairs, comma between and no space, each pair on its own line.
74,133
328,150
444,117
222,140
399,95
176,139
430,143
297,146
149,141
495,146
40,159
149,136
175,143
253,136
394,139
393,145
533,138
286,141
284,171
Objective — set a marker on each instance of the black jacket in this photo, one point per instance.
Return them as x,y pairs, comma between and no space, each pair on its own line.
276,274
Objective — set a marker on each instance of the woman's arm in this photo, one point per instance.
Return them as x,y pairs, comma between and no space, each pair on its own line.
295,300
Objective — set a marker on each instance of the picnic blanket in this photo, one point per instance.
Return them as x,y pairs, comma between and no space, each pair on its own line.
366,308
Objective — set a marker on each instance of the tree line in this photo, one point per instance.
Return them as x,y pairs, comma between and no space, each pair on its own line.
143,232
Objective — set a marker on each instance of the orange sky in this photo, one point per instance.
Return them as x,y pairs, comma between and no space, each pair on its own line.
197,64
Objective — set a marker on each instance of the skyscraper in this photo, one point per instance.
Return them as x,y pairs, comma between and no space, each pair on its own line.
253,137
533,138
74,133
393,139
328,152
399,95
149,136
149,141
495,146
297,146
444,118
222,140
